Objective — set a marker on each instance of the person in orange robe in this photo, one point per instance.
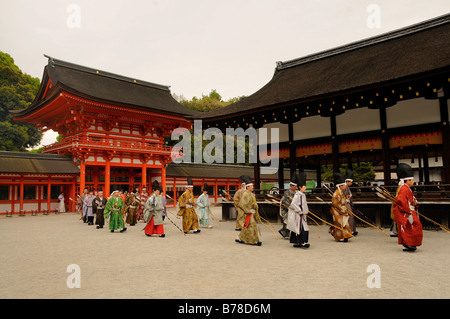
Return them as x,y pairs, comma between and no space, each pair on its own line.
339,211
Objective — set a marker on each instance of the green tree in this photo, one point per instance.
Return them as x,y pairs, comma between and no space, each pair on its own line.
17,91
363,172
206,103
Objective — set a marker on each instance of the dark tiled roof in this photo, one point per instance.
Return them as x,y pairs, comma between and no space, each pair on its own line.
196,170
32,163
109,88
413,50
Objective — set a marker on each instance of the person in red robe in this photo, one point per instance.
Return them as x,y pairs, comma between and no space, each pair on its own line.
410,231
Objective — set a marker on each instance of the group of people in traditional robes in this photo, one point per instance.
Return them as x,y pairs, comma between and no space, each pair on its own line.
293,210
406,223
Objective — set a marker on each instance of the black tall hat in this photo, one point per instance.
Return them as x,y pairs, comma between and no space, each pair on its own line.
155,185
404,171
338,179
205,187
114,188
301,179
190,182
242,177
246,179
349,174
294,178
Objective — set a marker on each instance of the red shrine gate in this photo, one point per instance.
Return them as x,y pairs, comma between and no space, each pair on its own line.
112,126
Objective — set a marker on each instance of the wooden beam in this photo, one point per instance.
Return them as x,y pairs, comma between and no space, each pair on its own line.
280,173
386,153
292,149
443,105
334,144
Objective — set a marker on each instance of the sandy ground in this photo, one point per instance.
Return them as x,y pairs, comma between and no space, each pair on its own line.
36,251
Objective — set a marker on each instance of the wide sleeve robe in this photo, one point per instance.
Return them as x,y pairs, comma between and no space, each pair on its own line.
410,230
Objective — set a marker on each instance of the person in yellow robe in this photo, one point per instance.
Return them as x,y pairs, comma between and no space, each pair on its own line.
186,204
249,207
240,218
340,213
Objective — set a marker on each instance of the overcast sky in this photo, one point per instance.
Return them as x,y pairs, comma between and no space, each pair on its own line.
195,46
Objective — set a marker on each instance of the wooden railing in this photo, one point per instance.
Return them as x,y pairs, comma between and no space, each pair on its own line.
109,144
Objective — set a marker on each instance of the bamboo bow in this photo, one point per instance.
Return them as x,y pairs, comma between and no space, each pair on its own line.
383,193
370,224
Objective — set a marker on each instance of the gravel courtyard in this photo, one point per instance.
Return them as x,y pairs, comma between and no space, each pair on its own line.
37,250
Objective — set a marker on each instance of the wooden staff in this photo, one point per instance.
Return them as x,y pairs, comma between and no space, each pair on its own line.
355,215
277,204
332,225
213,216
310,212
260,220
357,211
392,200
176,225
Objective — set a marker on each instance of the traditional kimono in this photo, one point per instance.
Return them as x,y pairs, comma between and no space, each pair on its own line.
394,227
153,215
98,206
340,217
349,203
240,216
140,213
284,209
187,211
203,211
62,205
113,210
87,208
131,207
296,220
410,231
249,207
80,205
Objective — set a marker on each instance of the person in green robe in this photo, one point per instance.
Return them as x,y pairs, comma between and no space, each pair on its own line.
113,210
248,205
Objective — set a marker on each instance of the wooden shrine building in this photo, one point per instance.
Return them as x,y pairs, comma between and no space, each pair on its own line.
113,127
380,99
383,99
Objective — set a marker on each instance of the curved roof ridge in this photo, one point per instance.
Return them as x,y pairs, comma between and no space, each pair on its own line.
365,42
53,61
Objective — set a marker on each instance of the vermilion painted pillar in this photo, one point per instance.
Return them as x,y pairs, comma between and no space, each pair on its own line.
107,189
21,193
82,176
144,176
49,193
163,179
